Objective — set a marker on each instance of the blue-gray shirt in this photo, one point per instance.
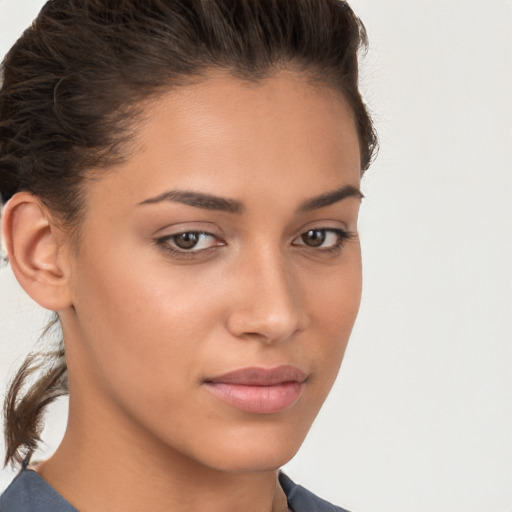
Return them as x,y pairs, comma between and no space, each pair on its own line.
28,492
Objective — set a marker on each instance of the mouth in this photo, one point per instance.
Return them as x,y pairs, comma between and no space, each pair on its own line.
259,390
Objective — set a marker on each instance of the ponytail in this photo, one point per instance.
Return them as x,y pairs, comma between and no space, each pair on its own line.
24,407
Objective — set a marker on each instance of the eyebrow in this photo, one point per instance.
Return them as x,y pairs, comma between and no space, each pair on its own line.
199,200
330,198
211,202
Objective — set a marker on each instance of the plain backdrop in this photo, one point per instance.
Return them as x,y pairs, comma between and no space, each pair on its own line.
421,416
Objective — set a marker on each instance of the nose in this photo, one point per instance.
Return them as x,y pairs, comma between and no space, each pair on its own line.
268,305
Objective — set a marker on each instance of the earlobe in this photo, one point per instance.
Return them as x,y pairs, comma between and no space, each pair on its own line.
31,239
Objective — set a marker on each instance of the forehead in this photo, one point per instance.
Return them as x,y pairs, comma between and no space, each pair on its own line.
224,134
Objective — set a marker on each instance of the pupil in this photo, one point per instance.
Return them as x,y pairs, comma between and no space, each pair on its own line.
314,237
186,240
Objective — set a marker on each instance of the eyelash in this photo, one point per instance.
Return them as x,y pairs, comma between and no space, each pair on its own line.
164,243
342,236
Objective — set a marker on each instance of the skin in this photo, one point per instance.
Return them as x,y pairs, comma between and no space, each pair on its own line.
145,327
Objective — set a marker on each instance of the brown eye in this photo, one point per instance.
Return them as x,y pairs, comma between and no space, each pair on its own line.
314,237
186,240
189,242
325,239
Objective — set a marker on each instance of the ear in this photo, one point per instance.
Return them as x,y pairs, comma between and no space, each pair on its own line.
36,255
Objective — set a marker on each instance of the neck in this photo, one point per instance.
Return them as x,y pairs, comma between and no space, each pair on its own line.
99,468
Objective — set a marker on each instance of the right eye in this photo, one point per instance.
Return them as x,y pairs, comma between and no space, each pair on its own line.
189,241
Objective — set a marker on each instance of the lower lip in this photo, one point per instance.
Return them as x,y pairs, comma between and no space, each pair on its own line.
258,399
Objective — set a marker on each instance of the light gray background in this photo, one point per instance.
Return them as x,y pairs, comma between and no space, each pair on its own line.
421,416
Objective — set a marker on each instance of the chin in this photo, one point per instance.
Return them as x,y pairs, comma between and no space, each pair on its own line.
253,462
263,451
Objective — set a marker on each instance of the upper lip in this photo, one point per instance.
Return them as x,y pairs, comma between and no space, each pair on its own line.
256,376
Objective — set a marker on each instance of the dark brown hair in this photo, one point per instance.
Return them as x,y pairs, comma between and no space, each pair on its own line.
74,84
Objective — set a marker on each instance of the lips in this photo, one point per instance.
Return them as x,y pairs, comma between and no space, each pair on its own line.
259,390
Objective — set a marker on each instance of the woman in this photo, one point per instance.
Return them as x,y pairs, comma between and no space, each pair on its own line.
181,182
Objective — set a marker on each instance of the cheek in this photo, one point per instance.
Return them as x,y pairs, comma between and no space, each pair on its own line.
334,307
140,326
336,292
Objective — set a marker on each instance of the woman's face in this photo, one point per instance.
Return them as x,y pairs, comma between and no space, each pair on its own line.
219,274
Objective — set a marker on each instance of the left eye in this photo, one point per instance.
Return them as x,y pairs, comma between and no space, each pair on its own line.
322,238
190,241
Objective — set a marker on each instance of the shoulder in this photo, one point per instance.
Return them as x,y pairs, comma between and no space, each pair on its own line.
28,492
302,500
